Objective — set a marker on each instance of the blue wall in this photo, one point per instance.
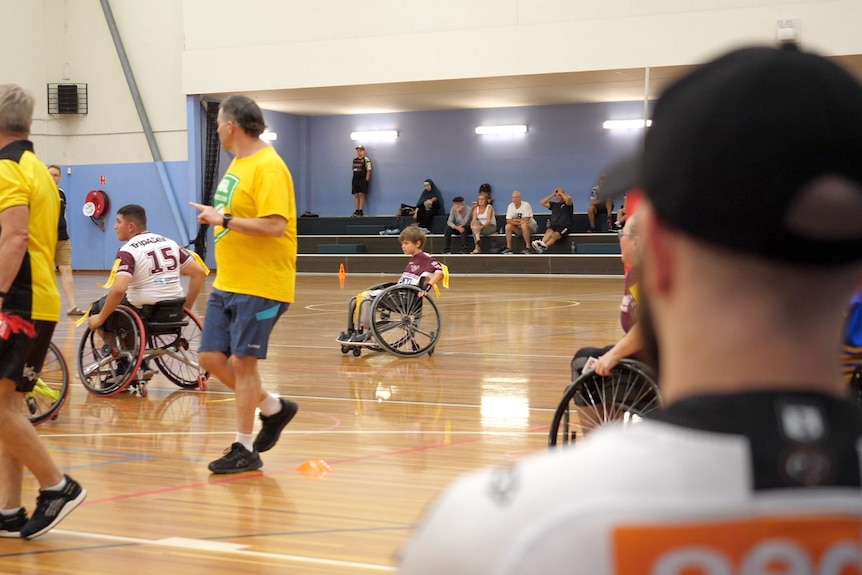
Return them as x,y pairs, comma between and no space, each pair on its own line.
94,249
565,146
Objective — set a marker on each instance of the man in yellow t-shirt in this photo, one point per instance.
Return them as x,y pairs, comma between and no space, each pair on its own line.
254,215
29,310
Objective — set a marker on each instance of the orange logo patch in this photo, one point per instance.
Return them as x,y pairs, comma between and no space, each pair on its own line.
827,545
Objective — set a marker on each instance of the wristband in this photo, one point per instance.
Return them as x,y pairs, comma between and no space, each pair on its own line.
3,294
426,288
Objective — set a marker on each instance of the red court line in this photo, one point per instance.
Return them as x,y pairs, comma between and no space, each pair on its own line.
255,475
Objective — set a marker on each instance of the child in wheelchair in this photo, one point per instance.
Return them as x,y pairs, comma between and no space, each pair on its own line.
422,270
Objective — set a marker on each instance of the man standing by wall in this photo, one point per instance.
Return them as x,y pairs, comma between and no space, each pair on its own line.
63,259
29,311
255,249
361,177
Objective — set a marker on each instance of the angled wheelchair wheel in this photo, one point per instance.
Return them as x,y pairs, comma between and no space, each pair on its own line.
109,358
591,401
176,353
52,387
404,323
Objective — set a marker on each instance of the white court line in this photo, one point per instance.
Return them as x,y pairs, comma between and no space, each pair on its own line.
226,548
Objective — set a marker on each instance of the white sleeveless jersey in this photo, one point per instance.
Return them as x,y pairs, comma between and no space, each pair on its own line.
713,486
154,263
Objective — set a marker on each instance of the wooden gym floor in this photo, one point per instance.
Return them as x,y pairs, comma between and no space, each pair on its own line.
393,431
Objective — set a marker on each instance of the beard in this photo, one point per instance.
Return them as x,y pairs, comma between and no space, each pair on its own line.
649,352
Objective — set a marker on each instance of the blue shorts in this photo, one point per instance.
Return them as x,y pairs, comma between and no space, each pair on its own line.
239,324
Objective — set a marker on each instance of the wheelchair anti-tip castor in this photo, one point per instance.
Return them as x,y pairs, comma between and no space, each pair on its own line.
357,351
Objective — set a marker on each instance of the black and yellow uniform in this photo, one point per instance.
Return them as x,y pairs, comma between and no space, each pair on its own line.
25,181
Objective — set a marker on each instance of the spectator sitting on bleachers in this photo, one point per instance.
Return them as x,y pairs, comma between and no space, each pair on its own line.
560,222
596,205
519,221
459,220
484,222
429,205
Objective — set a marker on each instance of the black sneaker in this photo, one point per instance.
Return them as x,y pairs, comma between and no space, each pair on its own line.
272,425
52,507
10,525
236,459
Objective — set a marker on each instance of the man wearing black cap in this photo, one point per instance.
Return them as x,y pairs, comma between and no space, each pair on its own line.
361,177
753,463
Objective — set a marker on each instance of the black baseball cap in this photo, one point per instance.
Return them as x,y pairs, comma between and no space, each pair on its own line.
458,199
360,147
739,147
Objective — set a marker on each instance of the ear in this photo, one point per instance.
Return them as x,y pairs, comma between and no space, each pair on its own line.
658,251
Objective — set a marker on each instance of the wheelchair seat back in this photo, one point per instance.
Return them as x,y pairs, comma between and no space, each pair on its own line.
164,315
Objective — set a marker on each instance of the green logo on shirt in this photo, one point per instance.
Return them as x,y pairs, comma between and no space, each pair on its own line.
222,198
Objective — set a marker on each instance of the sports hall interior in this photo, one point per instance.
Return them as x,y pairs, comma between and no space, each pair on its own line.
377,435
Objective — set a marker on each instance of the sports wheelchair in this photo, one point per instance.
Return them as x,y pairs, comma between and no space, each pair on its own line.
592,400
167,333
400,322
52,386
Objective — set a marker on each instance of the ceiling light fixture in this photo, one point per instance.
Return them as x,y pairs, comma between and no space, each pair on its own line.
625,124
374,135
495,130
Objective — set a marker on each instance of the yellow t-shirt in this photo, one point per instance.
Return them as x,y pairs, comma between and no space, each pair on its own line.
256,186
25,181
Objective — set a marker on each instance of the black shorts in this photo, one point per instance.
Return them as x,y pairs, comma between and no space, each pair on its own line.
561,229
110,323
360,187
21,356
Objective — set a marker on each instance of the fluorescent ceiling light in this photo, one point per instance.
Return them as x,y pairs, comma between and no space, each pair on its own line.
374,135
512,129
269,136
625,124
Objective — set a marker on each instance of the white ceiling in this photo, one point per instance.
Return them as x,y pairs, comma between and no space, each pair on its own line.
475,93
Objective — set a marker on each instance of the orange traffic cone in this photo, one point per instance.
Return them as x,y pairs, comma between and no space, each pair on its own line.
342,275
314,468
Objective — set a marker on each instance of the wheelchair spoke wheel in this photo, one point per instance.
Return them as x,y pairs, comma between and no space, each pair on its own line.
404,323
52,387
109,358
591,401
176,353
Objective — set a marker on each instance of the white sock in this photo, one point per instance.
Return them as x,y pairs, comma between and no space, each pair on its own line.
271,405
10,512
245,439
58,487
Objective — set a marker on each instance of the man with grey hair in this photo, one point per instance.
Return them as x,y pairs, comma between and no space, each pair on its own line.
753,462
29,311
254,215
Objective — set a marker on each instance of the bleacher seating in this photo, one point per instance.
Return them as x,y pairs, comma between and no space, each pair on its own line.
327,242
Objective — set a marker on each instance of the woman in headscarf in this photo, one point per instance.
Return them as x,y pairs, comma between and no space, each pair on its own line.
429,205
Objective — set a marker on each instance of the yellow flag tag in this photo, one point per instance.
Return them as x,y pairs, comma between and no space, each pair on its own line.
199,260
112,276
445,269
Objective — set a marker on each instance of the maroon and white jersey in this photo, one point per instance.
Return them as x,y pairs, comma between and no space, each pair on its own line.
421,265
154,263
